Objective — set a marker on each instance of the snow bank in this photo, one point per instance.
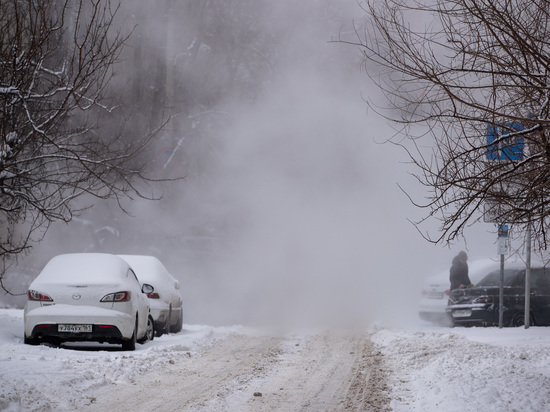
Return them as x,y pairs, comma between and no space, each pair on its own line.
468,368
43,378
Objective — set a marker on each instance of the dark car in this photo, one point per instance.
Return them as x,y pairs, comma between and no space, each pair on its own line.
479,305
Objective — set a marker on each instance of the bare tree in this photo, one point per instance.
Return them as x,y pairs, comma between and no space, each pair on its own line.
468,81
61,136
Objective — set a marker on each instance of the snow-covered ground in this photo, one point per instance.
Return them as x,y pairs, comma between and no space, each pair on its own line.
467,369
425,368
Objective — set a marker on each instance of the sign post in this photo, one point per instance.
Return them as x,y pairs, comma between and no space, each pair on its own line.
505,143
502,250
527,319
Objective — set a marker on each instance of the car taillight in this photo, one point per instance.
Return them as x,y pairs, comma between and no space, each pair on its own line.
153,295
448,292
116,297
38,297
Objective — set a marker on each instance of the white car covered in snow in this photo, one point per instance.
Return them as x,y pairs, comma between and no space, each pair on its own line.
166,300
88,297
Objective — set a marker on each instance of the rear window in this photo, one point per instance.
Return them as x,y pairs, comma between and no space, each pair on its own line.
493,278
90,268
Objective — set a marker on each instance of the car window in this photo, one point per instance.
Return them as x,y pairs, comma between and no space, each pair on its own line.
493,278
540,278
518,281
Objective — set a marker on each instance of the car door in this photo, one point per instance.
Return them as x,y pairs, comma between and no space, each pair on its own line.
540,295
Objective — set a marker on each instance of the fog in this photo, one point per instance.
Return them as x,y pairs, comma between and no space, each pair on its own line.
314,229
317,230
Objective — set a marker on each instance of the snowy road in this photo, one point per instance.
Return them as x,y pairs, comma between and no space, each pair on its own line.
380,368
257,372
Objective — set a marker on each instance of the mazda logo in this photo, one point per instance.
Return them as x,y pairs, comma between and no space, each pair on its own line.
76,296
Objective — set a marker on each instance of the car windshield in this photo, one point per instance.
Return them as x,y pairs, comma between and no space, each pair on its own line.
493,278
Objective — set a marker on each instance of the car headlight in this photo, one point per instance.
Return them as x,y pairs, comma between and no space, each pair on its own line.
483,299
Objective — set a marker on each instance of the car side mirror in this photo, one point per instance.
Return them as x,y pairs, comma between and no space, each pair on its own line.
146,288
176,285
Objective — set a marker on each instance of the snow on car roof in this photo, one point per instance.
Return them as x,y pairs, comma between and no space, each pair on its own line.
146,267
93,268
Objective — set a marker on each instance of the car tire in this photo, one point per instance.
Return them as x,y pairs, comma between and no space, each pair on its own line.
518,319
168,324
30,341
130,344
149,331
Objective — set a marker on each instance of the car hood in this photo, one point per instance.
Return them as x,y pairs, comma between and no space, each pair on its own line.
467,295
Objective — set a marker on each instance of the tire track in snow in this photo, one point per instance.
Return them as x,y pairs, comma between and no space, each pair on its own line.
191,383
368,390
252,372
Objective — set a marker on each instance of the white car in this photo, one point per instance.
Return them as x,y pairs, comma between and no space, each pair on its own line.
166,300
435,290
88,297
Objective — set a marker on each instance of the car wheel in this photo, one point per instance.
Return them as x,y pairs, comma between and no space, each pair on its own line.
159,330
150,328
30,341
519,320
149,332
168,324
131,343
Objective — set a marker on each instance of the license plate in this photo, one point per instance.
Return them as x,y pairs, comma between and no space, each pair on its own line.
462,313
435,295
74,328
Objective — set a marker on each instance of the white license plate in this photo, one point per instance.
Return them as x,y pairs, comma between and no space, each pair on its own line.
74,328
462,313
435,295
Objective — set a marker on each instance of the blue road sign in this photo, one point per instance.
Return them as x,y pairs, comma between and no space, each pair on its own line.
503,231
507,148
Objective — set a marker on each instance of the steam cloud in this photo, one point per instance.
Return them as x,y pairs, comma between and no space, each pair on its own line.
315,225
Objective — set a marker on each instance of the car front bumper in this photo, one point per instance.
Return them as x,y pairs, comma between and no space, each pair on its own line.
472,314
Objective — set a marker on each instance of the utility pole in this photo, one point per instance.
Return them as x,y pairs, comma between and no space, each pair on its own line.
502,250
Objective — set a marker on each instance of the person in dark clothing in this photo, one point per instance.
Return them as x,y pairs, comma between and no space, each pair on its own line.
459,272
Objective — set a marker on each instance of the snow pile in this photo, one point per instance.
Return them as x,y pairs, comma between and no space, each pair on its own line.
468,369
